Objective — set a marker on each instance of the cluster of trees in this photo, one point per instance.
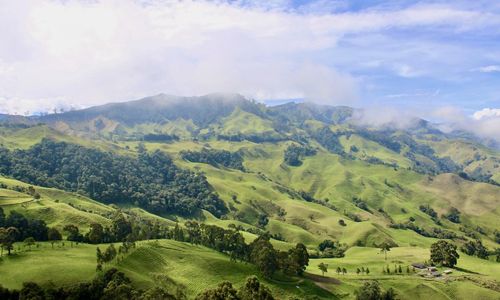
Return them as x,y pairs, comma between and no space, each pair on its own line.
475,248
17,228
251,290
433,232
371,291
215,158
397,269
160,137
453,215
294,154
105,257
324,269
360,204
428,210
260,252
444,253
111,284
123,228
496,236
270,137
330,249
328,139
151,180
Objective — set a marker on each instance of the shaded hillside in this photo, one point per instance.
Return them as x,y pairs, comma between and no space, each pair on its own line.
161,109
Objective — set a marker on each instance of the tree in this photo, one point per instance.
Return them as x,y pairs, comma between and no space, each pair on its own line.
390,294
109,254
95,234
99,256
74,234
299,258
2,217
444,253
121,227
254,290
367,271
54,235
385,247
31,291
28,242
224,291
264,256
358,271
453,215
7,238
323,267
369,291
344,271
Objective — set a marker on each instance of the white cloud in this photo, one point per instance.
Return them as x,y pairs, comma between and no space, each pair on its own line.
484,123
489,69
487,113
384,116
74,53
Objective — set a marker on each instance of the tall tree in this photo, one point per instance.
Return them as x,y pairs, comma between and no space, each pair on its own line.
444,253
54,235
264,256
121,227
254,290
95,234
7,238
224,291
385,247
369,291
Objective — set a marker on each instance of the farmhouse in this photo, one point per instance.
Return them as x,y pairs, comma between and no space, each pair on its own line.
419,266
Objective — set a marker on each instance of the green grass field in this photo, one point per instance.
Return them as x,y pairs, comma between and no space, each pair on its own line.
410,285
270,187
194,267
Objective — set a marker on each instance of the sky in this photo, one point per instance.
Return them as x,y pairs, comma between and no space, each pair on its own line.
436,59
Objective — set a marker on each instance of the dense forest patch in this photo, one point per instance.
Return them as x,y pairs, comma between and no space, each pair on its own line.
215,158
150,181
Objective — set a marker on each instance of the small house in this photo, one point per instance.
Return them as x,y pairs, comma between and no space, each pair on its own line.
419,266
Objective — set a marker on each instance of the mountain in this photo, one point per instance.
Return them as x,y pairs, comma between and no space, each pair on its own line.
304,173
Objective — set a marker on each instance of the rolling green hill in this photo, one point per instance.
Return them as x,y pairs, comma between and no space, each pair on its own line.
357,185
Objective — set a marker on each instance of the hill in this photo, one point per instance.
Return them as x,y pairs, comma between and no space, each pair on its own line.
304,173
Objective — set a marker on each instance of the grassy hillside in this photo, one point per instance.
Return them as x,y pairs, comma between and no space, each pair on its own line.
356,188
194,267
469,280
59,208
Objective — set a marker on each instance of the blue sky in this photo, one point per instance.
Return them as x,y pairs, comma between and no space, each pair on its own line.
436,59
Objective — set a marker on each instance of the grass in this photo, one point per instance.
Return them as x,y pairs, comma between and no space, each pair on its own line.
409,285
267,187
194,267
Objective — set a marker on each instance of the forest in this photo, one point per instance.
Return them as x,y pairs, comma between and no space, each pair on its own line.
150,180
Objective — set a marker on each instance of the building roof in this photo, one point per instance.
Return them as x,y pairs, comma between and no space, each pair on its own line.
419,265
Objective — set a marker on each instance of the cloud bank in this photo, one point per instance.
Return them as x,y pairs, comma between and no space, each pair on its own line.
79,53
484,123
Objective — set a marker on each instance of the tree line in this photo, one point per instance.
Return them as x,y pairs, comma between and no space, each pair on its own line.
216,158
150,181
17,228
259,252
